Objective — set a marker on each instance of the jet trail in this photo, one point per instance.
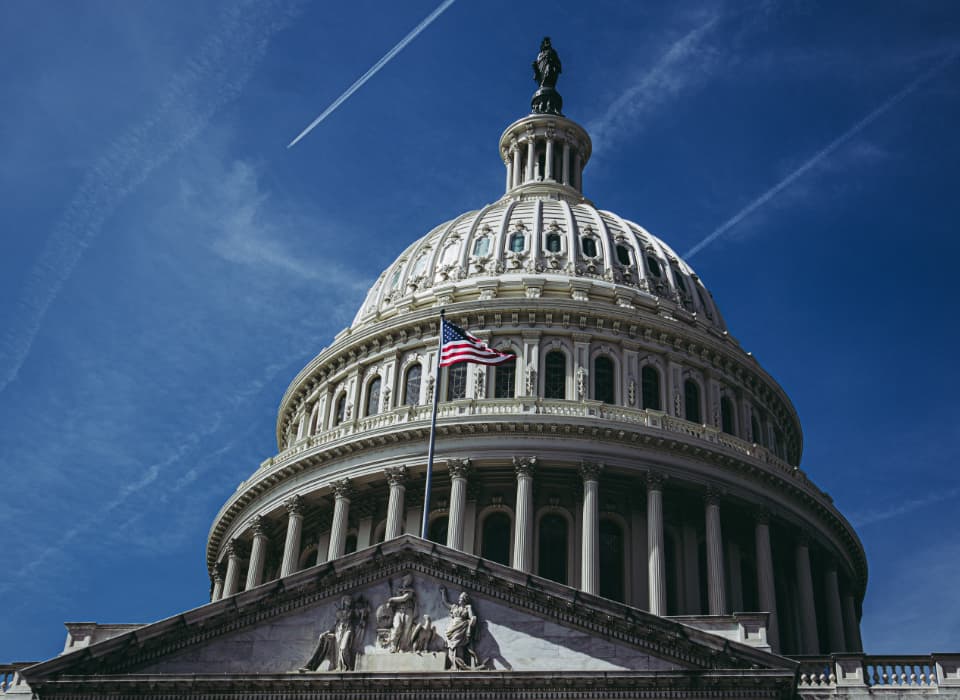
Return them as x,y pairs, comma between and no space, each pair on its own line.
884,107
375,69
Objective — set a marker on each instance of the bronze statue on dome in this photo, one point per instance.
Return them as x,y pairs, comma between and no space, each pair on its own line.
546,70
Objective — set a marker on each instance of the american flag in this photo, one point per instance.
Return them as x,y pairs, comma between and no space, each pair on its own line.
460,346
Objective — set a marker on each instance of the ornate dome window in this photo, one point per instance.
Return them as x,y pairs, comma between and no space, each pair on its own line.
603,389
552,546
373,397
505,380
726,415
495,534
481,247
650,387
411,392
691,401
611,560
456,382
554,242
654,266
588,244
555,375
341,409
623,255
518,242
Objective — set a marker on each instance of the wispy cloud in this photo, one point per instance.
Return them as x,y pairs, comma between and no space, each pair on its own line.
210,79
375,68
870,517
822,154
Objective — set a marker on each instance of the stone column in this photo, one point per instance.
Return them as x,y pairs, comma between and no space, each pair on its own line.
231,583
397,478
766,589
834,615
548,161
458,469
258,553
509,163
576,182
217,593
810,642
341,512
523,528
716,589
531,159
590,544
291,547
517,173
851,624
656,564
565,174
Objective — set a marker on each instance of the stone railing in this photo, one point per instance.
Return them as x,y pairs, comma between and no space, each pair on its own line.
842,672
11,682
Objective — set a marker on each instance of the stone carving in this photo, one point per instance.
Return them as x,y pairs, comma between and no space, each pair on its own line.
395,617
479,380
524,466
530,381
386,398
461,633
581,383
431,380
546,70
458,468
339,645
632,392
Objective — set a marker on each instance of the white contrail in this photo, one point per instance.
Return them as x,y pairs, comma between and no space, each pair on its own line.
375,68
888,104
213,77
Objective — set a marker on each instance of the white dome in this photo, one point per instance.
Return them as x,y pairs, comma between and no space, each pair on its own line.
530,247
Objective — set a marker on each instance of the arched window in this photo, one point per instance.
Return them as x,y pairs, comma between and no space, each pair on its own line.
589,246
555,375
351,544
611,560
496,538
603,379
623,254
553,243
373,397
505,380
481,246
681,283
341,410
552,545
726,415
691,401
654,266
411,387
456,381
755,427
517,242
437,532
650,387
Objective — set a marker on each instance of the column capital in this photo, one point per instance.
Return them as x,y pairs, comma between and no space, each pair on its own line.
216,575
761,516
396,476
590,471
258,526
294,505
803,539
524,466
231,549
342,488
458,468
655,481
712,496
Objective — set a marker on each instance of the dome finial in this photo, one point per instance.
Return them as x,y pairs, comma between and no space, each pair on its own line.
546,70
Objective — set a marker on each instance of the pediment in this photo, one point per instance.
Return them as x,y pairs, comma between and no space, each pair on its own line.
365,614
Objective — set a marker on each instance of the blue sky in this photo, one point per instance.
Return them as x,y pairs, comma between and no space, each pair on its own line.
167,265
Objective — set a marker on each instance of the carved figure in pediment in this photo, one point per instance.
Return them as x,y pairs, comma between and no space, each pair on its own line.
461,633
401,610
422,635
337,646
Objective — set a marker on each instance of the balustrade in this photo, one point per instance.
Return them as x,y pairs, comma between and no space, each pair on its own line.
903,673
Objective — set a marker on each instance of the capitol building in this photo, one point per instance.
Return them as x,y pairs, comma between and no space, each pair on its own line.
617,512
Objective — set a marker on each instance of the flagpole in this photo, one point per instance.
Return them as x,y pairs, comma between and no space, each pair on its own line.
433,432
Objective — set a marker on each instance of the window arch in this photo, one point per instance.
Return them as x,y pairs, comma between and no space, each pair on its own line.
505,380
654,266
726,415
437,530
623,254
481,246
650,387
495,542
588,244
373,397
341,409
756,427
518,241
611,560
691,401
552,541
603,383
456,381
555,375
411,385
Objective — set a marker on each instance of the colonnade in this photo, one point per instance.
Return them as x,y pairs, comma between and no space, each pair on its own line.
838,611
522,160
